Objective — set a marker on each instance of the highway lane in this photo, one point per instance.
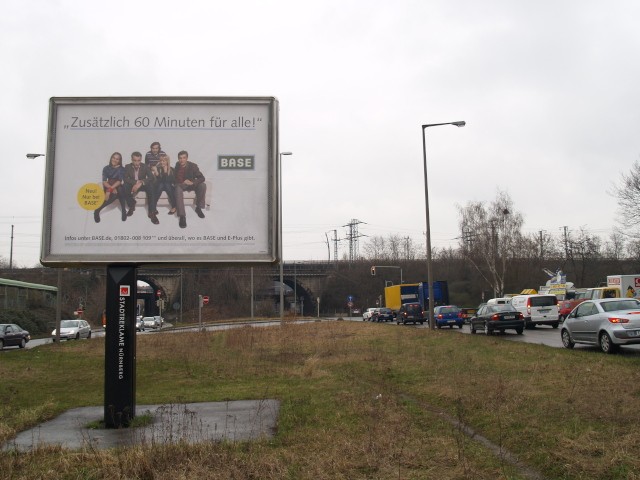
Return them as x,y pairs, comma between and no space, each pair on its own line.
542,335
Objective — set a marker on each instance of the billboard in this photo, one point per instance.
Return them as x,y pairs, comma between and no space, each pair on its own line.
161,180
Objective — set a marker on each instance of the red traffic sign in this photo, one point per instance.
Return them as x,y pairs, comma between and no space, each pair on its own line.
205,300
159,293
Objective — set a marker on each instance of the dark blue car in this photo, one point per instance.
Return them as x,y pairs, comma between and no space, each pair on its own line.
448,316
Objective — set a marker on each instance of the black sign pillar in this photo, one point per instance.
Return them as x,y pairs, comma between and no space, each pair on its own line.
120,347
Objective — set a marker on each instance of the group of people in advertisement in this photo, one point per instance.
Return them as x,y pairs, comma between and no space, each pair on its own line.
154,176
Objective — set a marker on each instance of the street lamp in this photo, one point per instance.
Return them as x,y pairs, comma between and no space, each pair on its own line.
426,203
31,156
280,227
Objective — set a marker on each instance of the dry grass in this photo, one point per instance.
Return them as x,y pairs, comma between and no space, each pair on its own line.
358,401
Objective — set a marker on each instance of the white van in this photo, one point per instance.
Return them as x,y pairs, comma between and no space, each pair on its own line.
537,309
499,301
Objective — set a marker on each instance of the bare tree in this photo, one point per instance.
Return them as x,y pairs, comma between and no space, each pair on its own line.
583,250
628,195
490,235
614,248
374,248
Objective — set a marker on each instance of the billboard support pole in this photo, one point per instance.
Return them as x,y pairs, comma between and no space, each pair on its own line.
120,346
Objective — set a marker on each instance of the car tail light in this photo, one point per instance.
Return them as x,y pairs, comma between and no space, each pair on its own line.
618,320
520,316
495,317
440,316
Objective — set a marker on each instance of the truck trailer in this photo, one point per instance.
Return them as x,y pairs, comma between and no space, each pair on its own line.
440,293
397,295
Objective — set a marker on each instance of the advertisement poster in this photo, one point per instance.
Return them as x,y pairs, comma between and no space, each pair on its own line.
161,180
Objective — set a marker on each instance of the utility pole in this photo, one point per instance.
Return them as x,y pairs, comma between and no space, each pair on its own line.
11,251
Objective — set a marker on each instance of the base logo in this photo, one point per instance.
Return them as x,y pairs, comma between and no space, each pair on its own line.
125,290
236,162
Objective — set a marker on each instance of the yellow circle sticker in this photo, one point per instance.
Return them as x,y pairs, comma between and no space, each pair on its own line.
91,196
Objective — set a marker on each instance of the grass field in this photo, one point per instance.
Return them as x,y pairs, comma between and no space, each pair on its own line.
358,401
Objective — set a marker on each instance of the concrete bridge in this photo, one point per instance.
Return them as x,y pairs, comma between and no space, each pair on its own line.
304,280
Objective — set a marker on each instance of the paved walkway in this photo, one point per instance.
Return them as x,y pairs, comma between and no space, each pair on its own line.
191,422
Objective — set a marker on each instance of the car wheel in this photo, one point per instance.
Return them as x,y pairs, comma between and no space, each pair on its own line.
22,343
78,336
473,329
487,330
555,325
566,339
606,345
1,344
519,330
439,326
460,326
89,336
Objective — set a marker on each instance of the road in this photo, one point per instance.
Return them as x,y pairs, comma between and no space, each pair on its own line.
542,335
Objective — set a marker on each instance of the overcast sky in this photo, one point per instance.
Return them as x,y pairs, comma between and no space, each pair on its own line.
549,91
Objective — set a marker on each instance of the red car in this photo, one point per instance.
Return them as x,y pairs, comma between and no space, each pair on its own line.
565,307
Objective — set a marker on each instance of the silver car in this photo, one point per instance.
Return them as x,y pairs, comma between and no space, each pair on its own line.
73,329
606,322
152,322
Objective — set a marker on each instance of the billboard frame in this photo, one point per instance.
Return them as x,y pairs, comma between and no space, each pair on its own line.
263,138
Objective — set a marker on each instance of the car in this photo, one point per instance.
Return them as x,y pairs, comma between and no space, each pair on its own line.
73,329
368,313
447,315
355,311
606,322
152,322
383,315
139,324
466,313
410,312
498,317
12,335
565,307
538,309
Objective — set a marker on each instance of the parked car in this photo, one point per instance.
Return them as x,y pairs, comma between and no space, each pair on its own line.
447,315
152,322
498,317
410,312
383,315
12,335
355,311
73,329
368,313
605,322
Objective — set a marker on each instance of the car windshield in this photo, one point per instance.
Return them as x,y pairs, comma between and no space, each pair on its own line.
412,307
544,301
627,304
385,310
69,323
449,310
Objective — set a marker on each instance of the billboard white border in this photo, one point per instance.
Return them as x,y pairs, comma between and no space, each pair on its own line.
55,253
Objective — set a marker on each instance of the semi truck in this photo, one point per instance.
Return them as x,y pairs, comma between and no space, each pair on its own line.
397,295
440,293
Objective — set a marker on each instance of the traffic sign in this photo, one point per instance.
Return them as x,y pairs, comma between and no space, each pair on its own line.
205,300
